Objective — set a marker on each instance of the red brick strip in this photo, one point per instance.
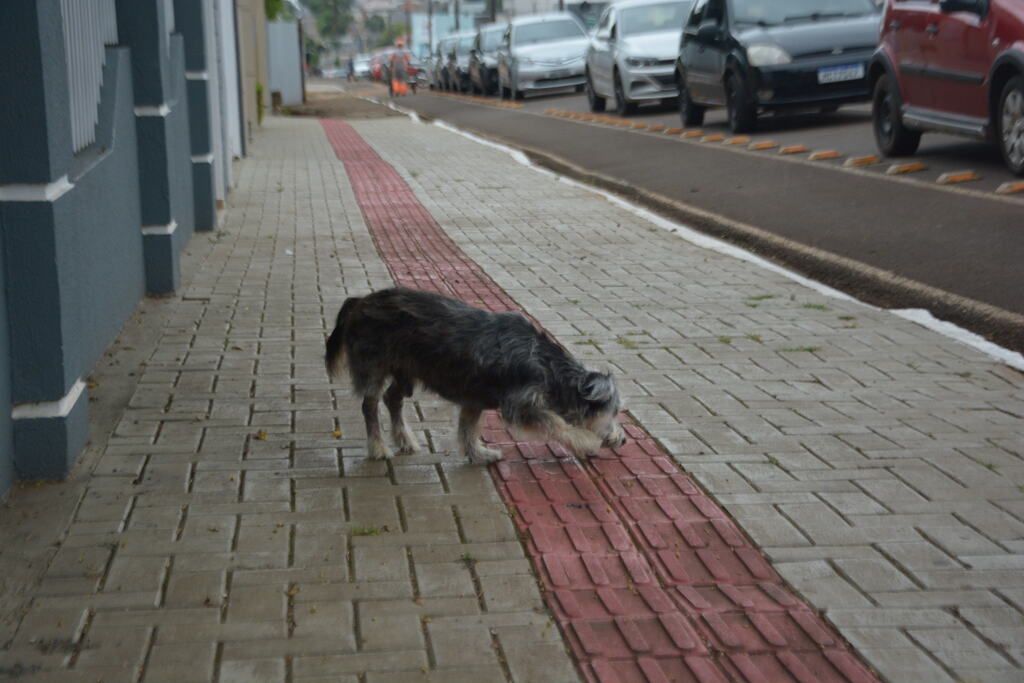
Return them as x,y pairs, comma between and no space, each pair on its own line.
647,576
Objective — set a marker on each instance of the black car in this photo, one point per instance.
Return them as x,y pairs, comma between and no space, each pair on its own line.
483,59
753,56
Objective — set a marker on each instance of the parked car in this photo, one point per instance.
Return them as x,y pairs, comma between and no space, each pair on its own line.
586,12
361,66
458,60
439,65
754,56
955,66
541,52
632,55
483,59
379,62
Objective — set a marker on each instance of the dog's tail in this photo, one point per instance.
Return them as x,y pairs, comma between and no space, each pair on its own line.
335,359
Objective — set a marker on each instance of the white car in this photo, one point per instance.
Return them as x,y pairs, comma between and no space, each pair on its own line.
541,52
631,57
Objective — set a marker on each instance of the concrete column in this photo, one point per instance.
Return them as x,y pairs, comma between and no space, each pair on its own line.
200,68
164,140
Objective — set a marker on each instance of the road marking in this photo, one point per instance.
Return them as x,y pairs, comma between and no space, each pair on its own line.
793,149
1011,188
900,169
954,177
857,162
757,146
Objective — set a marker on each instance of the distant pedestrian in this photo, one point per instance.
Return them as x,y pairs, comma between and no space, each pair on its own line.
398,70
350,69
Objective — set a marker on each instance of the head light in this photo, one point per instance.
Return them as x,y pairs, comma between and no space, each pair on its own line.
642,61
767,55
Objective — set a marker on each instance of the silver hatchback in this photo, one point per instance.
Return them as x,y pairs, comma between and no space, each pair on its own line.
541,52
631,57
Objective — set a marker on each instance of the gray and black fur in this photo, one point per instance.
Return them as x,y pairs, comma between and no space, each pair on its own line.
394,339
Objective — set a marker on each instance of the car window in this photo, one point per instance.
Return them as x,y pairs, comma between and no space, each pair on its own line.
546,31
489,40
668,16
464,45
774,12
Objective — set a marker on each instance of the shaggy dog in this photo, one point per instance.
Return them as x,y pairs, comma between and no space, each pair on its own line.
475,359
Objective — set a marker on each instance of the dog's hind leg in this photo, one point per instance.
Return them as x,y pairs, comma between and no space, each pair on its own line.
405,441
371,414
469,438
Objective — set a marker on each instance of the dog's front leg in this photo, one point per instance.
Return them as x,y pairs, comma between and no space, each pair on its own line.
374,441
469,438
400,432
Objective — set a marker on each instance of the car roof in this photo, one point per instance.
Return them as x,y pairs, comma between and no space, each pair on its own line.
497,26
539,18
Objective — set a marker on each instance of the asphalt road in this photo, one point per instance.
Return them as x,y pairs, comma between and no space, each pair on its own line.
964,240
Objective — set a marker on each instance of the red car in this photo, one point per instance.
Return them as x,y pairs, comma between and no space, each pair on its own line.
955,66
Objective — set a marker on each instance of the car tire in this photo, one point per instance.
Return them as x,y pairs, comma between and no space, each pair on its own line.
691,114
503,92
1010,124
596,102
516,93
741,110
891,137
623,107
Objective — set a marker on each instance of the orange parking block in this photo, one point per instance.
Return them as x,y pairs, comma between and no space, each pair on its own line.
655,128
1011,188
693,133
624,124
954,177
639,126
757,146
857,162
712,138
824,154
900,169
738,140
673,131
793,149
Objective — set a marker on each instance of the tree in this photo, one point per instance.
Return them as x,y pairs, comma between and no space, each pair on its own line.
376,24
391,33
273,8
333,17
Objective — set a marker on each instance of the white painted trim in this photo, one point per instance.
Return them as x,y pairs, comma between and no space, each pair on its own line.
202,158
160,229
49,409
162,110
40,192
197,75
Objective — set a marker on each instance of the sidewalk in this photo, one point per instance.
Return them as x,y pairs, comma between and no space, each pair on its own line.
233,529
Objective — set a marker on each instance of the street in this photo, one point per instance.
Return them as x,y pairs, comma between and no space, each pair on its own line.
901,240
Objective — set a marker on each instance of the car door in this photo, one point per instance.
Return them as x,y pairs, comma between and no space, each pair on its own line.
909,23
703,51
505,57
959,61
603,60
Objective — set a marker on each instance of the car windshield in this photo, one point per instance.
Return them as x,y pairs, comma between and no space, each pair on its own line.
774,12
464,45
546,31
490,40
668,16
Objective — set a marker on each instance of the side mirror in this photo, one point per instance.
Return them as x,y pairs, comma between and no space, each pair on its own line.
975,6
603,35
708,32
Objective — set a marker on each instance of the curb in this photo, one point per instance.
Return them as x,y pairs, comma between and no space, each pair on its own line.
869,284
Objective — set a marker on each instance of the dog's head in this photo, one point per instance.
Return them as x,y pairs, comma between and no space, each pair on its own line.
601,406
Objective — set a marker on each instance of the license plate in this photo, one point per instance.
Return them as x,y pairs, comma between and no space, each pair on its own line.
559,73
838,74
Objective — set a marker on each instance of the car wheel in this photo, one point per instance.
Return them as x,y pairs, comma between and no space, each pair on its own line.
596,102
742,112
892,138
623,107
516,93
1010,124
503,91
690,113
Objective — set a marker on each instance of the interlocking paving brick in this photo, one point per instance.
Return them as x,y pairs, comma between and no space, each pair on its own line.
628,520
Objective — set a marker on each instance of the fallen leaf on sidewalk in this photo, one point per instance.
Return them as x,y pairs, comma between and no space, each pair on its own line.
261,435
336,433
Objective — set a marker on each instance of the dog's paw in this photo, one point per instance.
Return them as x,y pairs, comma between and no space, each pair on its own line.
378,451
484,456
406,444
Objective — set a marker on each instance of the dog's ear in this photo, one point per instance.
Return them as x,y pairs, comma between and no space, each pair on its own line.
597,387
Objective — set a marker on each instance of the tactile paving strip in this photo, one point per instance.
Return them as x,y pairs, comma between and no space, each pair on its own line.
647,576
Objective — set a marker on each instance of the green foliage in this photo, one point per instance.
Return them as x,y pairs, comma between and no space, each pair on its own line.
391,34
274,8
333,17
376,24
